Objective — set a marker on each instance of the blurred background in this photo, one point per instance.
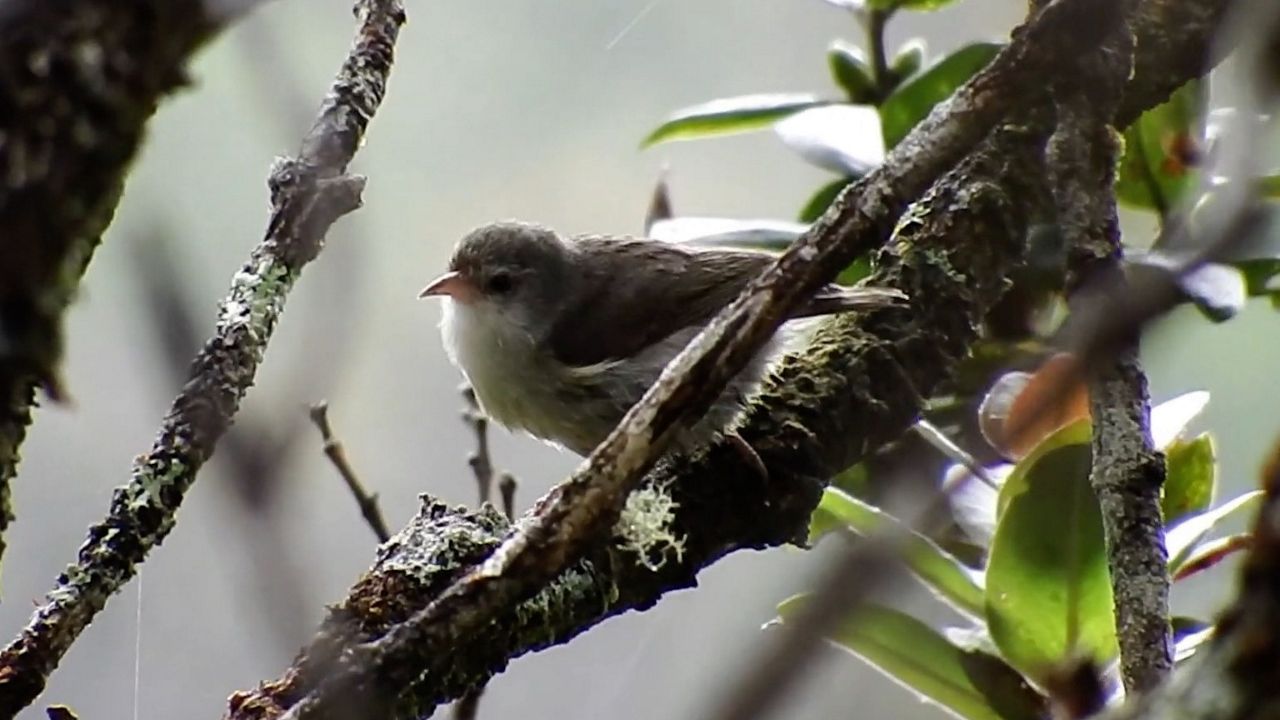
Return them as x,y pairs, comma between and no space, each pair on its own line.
515,109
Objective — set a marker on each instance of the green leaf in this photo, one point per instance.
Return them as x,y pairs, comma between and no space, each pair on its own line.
853,480
1181,540
968,683
1191,478
1260,275
822,199
908,61
935,567
729,115
1269,186
855,271
1048,589
1155,171
850,71
1078,433
913,100
840,137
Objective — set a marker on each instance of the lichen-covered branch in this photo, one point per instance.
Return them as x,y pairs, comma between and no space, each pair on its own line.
581,510
1127,472
844,398
308,193
819,411
78,82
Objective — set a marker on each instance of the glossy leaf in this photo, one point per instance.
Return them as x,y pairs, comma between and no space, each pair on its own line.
1209,554
1190,479
730,115
841,138
1077,434
913,100
851,72
822,199
1048,589
1181,539
936,568
757,234
967,683
1157,168
1169,419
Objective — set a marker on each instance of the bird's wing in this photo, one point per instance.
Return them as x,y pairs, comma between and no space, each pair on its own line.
638,292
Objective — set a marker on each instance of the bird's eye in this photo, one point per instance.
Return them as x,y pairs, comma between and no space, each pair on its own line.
500,283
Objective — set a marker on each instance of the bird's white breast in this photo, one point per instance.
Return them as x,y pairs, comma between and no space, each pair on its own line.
515,381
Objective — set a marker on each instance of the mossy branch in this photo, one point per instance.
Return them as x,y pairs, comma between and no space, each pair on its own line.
308,194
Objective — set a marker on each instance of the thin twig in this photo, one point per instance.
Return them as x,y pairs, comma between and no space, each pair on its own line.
308,194
507,486
480,461
367,501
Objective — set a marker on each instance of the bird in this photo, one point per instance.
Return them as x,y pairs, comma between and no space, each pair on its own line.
560,336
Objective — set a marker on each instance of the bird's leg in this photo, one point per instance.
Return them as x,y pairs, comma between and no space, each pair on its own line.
748,454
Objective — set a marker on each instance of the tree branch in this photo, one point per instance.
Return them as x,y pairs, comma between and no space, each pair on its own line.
1127,472
582,509
78,82
820,412
308,193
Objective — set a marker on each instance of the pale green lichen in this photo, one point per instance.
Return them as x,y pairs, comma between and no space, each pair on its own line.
645,527
256,299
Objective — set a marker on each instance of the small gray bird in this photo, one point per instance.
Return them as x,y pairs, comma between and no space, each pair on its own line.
560,336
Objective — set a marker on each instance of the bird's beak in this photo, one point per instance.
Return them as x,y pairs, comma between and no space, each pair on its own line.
451,284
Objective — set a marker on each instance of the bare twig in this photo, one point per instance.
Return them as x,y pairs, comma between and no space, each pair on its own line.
308,194
1127,472
507,486
367,501
480,461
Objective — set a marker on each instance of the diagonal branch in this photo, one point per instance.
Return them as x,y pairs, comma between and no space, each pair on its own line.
821,412
565,524
308,193
78,83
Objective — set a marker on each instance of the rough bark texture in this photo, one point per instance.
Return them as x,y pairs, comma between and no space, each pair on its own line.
308,194
78,81
1127,472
